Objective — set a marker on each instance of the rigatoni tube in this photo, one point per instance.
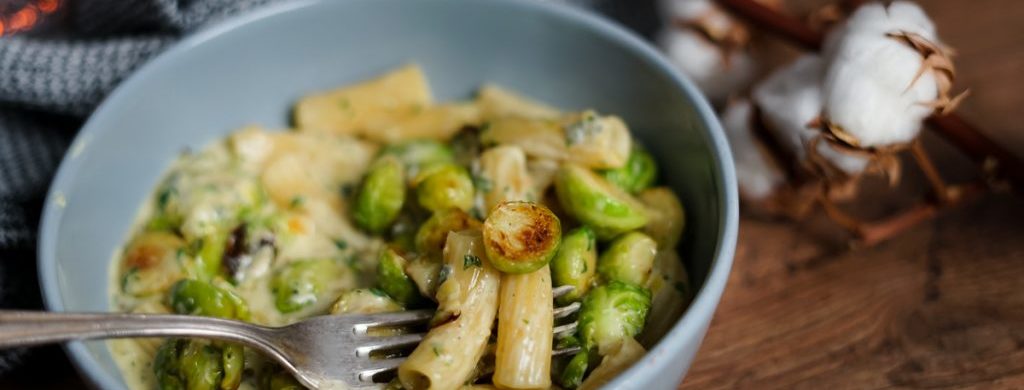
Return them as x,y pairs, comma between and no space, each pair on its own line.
525,326
467,306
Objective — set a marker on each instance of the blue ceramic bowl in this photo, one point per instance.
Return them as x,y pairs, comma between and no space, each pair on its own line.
251,69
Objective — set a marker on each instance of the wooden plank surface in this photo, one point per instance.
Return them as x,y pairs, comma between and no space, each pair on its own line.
940,307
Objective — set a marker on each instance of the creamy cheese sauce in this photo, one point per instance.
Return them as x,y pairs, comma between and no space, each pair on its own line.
292,184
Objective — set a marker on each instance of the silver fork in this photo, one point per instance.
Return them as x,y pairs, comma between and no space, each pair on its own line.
319,351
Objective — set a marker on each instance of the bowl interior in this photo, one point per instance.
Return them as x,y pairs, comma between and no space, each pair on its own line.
253,68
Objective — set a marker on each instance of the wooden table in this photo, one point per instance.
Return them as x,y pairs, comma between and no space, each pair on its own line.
942,306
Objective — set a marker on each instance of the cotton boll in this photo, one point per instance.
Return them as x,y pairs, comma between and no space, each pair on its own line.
789,99
898,16
875,93
871,94
717,74
758,177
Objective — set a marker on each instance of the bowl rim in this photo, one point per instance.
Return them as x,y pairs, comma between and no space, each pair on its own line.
692,325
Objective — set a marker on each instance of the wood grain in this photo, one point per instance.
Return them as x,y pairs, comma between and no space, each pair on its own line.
940,307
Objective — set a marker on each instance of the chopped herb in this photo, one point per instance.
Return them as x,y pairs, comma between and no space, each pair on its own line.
484,126
296,201
585,268
526,321
437,350
347,189
340,244
471,261
164,197
378,292
344,104
180,254
481,183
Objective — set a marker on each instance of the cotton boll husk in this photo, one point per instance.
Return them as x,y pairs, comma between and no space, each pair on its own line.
789,99
705,64
757,175
868,91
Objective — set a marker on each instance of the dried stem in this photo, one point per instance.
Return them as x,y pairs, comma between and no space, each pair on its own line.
942,191
959,132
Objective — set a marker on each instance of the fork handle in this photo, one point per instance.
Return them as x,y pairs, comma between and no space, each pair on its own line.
27,328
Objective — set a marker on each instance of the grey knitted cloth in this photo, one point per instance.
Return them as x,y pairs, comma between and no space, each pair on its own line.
51,79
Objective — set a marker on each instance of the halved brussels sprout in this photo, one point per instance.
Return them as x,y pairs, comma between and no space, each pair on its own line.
391,278
521,237
200,298
611,313
302,283
666,225
197,365
381,196
629,259
596,203
639,172
445,186
574,371
433,233
206,261
576,263
365,301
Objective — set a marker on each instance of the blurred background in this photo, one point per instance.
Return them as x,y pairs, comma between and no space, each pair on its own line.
937,306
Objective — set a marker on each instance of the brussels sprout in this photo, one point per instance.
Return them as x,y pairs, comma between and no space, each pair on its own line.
445,186
521,237
381,196
666,225
233,360
612,312
365,301
628,259
196,297
596,203
207,255
576,263
433,233
573,373
151,264
419,153
197,365
302,283
391,278
639,172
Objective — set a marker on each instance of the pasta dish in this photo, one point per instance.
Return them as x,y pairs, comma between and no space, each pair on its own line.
381,199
